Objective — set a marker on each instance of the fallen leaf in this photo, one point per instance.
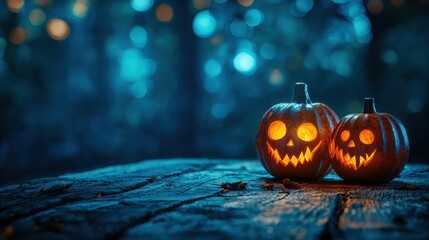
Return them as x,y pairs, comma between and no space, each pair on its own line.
235,186
287,183
285,191
267,186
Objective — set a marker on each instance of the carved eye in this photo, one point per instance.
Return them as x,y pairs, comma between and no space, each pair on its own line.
345,135
307,132
276,130
366,137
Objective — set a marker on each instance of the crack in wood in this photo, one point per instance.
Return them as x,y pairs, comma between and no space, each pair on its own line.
332,229
68,199
146,218
116,205
201,183
17,216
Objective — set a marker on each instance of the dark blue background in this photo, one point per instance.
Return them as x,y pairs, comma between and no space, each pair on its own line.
122,81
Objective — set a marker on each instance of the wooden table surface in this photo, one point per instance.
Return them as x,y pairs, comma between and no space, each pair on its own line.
182,198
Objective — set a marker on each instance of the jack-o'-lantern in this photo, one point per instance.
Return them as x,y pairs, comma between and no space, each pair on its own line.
293,138
369,146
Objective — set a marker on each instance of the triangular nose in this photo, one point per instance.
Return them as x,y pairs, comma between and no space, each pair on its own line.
290,143
351,144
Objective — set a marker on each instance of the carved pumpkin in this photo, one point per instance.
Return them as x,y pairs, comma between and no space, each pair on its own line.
293,138
369,146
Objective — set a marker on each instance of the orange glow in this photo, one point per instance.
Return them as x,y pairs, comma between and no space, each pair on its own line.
15,5
375,6
201,4
307,132
276,77
291,159
37,17
351,144
345,135
17,36
245,3
290,143
164,13
397,2
366,137
58,29
348,160
80,9
276,130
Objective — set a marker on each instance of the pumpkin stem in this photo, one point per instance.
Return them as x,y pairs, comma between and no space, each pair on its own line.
369,106
300,94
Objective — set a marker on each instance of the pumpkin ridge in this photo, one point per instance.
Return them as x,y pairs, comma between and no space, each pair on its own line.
374,149
308,155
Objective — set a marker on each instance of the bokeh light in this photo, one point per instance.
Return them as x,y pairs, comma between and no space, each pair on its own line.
375,6
204,24
134,66
389,56
141,5
15,5
304,6
276,77
253,17
245,62
138,36
212,68
238,28
217,40
340,62
129,67
268,51
212,85
245,3
362,28
58,29
201,4
138,89
17,35
219,111
164,12
80,8
37,17
340,1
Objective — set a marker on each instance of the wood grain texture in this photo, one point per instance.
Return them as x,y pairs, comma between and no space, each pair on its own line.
182,198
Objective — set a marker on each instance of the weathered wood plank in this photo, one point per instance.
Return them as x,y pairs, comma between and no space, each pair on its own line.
121,211
182,198
42,194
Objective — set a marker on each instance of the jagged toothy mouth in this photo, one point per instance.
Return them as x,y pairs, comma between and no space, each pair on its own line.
303,157
346,159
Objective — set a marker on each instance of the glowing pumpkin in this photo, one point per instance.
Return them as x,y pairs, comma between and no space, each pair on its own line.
369,146
293,138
